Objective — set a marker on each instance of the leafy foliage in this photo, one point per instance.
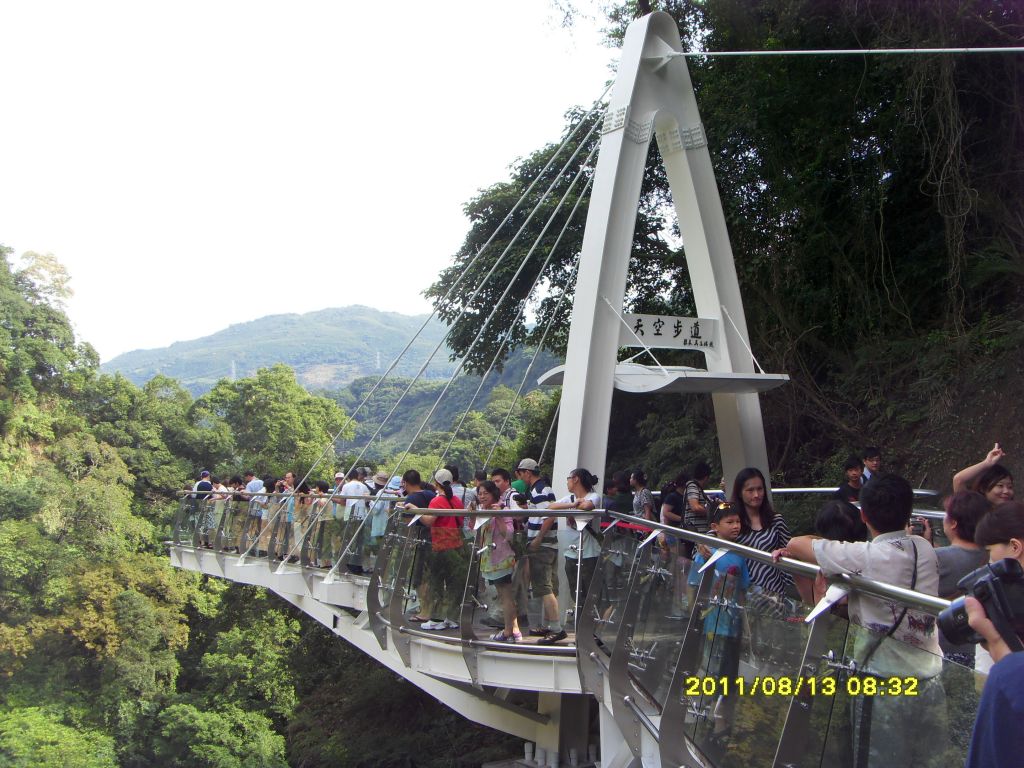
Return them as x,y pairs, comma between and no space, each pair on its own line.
866,205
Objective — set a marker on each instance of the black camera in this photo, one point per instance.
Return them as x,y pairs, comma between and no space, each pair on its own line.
999,587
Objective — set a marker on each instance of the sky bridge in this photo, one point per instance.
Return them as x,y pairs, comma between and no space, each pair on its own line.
635,681
662,663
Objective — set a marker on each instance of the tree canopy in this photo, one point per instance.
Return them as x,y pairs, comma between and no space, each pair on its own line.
870,202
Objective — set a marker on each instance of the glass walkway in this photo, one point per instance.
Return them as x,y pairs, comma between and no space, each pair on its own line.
663,665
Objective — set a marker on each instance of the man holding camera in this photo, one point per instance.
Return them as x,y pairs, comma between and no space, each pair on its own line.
901,642
997,738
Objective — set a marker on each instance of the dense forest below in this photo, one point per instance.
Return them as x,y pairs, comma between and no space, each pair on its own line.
873,205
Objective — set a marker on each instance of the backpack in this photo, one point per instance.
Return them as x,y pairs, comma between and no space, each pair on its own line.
694,522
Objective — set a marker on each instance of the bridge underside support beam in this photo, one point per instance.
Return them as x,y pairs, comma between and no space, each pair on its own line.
541,728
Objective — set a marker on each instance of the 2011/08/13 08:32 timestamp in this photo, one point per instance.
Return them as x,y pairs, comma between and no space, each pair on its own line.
866,685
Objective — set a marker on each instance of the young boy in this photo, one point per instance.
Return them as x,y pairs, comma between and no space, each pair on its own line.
723,623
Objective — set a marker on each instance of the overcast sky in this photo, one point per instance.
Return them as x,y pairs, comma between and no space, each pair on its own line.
197,164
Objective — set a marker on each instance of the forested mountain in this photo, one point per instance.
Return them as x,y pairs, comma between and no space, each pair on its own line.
346,341
327,349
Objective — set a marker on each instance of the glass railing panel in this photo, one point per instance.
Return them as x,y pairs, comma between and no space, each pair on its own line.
771,655
232,525
382,581
604,607
404,606
665,595
893,708
497,575
187,522
250,529
273,511
438,577
811,701
737,702
296,516
703,704
413,561
376,525
313,549
392,582
210,521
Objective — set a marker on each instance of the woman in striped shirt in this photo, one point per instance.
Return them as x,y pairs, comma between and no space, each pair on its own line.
768,607
762,529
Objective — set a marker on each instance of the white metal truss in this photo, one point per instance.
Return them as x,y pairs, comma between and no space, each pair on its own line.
653,97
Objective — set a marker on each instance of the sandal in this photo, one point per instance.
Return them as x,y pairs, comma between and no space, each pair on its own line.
419,619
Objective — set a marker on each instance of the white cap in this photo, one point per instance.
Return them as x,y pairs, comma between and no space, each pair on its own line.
442,476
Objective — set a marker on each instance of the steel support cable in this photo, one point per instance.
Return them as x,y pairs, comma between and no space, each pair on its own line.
508,217
544,335
301,538
505,293
476,292
551,428
351,417
522,308
529,368
847,52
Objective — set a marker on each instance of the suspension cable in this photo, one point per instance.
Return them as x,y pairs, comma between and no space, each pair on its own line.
493,269
350,418
524,303
848,52
504,295
551,428
540,345
479,287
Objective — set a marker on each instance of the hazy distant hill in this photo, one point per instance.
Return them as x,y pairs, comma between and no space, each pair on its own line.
328,349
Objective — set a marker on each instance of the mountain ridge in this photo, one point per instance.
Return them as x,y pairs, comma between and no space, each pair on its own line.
327,348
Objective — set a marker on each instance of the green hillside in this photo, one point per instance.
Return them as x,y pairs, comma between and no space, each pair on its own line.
327,349
334,352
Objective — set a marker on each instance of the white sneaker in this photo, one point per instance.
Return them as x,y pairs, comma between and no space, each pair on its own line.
449,624
433,625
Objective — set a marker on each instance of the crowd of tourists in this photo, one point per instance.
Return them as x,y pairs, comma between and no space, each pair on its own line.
866,528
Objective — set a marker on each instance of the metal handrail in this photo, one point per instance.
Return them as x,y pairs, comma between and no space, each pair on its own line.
249,495
515,513
918,600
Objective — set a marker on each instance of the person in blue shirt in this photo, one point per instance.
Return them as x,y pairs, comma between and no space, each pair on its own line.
997,739
723,622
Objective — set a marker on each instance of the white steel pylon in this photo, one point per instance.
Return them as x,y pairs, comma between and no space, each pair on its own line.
653,96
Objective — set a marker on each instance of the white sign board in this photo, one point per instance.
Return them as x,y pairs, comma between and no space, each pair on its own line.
667,332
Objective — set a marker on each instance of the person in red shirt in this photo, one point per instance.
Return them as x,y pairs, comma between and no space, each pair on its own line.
445,573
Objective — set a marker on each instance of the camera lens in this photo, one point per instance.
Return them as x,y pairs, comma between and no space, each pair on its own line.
953,624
